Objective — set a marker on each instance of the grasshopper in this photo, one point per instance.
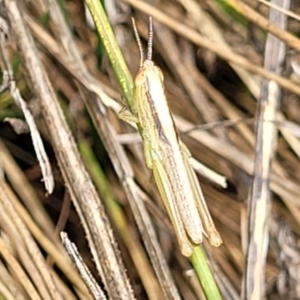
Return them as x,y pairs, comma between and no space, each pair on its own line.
167,156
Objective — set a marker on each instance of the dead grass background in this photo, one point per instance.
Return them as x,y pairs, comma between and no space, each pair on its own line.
205,84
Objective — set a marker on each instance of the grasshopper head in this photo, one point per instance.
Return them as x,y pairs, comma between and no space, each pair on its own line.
148,71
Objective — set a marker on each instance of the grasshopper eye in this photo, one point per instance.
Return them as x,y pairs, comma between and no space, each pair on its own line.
140,78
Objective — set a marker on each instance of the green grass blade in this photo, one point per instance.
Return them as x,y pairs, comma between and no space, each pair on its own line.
204,274
112,48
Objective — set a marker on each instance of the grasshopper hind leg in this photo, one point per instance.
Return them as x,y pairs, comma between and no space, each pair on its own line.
165,190
208,224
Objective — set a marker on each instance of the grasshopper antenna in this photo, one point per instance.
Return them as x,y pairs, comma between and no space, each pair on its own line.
139,43
150,39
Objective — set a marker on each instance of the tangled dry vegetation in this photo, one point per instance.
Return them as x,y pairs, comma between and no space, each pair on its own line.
234,92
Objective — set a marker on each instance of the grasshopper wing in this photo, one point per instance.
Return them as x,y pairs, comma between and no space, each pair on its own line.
208,224
165,190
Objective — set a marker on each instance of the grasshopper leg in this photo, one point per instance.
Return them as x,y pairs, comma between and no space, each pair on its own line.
208,224
127,116
164,187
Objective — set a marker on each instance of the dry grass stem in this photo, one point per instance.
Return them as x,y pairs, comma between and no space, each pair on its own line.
231,75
